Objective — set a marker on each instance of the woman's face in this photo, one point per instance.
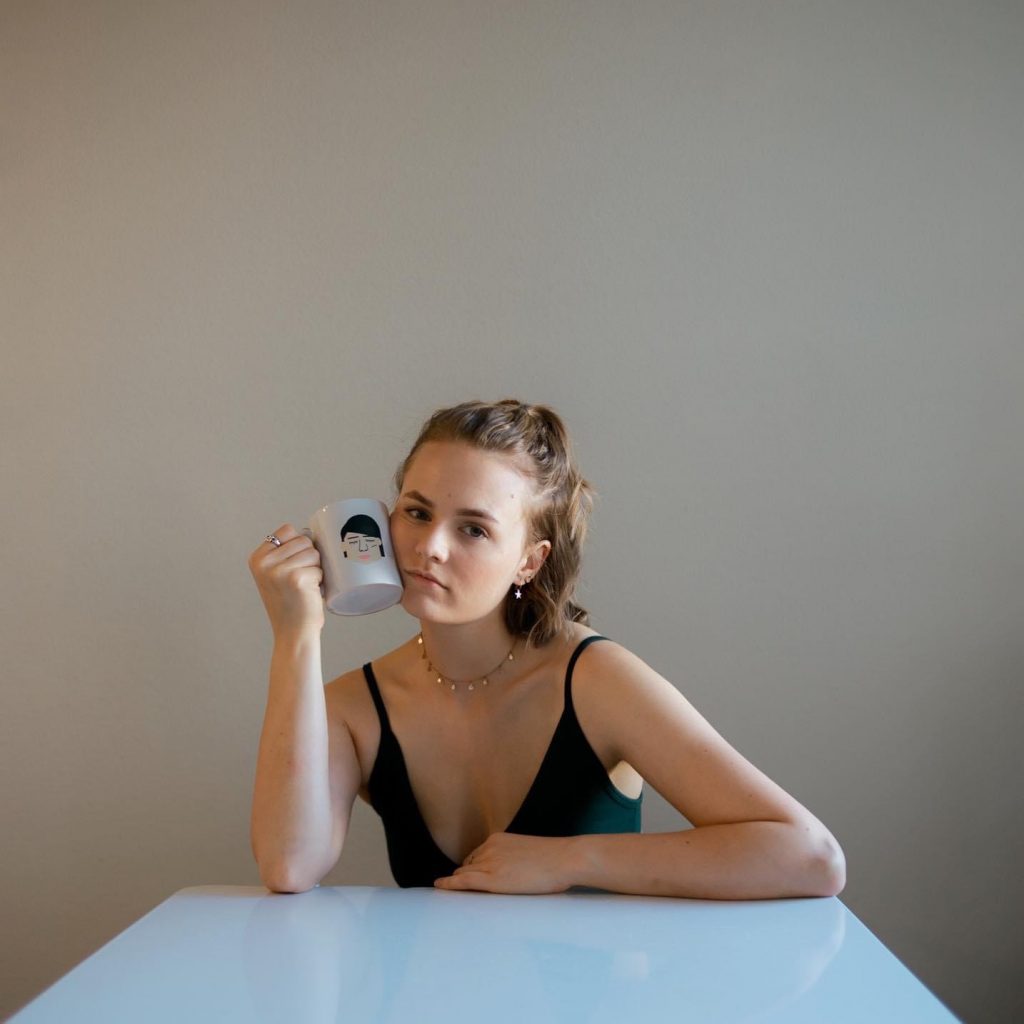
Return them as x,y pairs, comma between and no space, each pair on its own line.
460,518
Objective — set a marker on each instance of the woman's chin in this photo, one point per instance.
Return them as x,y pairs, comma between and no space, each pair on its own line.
414,602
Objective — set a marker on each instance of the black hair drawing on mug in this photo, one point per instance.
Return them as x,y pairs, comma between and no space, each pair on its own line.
361,528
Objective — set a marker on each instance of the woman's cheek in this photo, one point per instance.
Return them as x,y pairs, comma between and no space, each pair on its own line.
396,528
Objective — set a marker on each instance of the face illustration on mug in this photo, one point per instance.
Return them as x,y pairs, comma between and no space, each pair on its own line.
361,539
353,538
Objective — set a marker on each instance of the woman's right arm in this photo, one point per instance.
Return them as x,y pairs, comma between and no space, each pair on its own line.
307,772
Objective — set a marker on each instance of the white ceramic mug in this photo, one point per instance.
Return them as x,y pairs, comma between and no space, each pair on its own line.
360,572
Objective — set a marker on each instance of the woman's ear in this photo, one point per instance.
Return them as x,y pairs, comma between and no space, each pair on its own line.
538,557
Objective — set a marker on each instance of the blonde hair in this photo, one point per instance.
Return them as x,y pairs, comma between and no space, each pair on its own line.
535,437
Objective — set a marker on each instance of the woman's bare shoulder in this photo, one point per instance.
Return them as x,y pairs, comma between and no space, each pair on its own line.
578,633
350,706
351,684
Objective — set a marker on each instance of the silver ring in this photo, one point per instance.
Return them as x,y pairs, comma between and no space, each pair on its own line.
273,540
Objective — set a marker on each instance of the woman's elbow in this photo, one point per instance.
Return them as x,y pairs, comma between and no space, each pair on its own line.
831,869
282,882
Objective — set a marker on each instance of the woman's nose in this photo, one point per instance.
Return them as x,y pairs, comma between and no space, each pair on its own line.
430,543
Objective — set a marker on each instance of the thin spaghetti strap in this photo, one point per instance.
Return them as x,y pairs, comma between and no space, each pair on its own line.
382,711
580,647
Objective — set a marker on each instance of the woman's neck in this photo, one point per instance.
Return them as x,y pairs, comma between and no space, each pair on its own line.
469,650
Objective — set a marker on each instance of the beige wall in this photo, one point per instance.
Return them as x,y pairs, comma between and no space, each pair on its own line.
765,258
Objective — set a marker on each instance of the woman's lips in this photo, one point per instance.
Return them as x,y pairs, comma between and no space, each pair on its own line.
423,579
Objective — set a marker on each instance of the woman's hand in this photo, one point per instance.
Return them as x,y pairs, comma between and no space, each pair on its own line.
511,863
288,579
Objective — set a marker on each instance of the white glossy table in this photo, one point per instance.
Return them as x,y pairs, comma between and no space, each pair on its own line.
362,954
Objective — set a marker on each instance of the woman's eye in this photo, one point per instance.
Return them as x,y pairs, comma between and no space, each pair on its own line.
417,512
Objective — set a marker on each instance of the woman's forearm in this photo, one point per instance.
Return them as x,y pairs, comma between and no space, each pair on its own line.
749,860
292,830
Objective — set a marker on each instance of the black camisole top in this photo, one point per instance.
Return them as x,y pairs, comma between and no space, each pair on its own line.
571,794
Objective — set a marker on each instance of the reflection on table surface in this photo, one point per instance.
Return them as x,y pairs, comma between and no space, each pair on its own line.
357,953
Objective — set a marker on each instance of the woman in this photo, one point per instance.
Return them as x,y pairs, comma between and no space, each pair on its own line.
505,745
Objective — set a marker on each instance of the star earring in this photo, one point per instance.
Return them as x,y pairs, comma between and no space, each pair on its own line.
519,593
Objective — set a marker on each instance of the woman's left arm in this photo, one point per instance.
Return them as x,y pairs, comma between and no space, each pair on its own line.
750,840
